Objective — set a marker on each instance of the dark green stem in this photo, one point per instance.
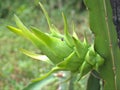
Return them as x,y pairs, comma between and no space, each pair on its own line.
71,83
93,81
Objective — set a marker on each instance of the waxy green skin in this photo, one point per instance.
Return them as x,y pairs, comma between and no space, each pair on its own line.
66,52
106,44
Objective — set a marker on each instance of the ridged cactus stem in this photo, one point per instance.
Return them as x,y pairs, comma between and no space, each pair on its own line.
106,43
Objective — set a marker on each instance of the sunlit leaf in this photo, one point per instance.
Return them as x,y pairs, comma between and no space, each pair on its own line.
36,56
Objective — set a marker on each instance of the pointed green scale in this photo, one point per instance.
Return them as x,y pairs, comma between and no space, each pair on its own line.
36,56
91,56
68,38
15,30
80,48
27,35
52,28
36,41
54,48
33,39
100,61
46,15
94,58
74,33
57,46
84,69
20,24
23,30
56,33
22,27
70,63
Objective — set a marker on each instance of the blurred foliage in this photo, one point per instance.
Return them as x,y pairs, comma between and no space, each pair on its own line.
23,9
9,7
16,69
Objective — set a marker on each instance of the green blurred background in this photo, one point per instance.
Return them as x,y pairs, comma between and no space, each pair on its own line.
16,69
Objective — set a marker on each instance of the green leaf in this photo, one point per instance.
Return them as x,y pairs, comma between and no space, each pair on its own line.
40,84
